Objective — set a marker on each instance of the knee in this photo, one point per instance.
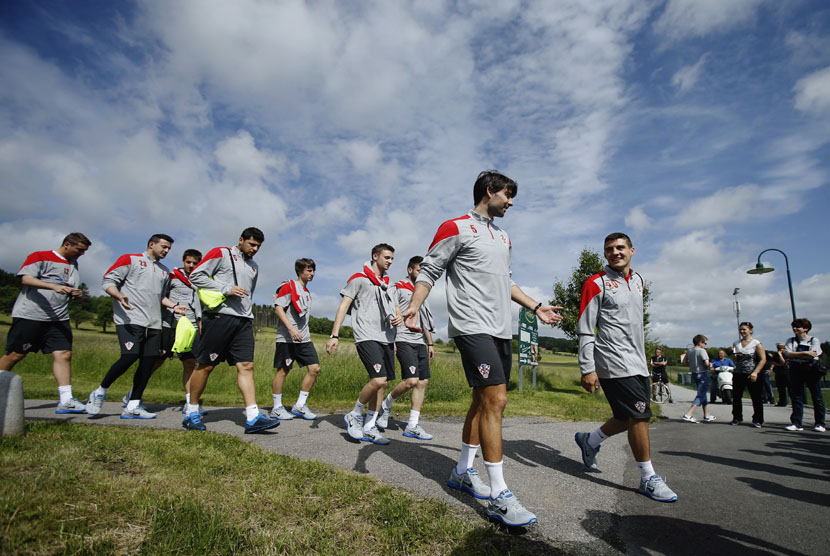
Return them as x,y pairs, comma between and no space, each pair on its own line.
245,368
411,382
422,384
61,356
16,357
313,370
494,403
379,382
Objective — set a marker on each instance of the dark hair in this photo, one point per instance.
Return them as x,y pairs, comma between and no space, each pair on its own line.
155,238
377,249
699,338
494,182
253,233
747,324
192,253
414,260
658,349
76,237
803,323
302,264
615,236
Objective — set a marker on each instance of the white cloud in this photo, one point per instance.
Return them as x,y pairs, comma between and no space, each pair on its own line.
243,161
812,92
686,77
638,219
690,18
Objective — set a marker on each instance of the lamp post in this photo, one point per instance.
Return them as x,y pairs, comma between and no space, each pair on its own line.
736,305
761,269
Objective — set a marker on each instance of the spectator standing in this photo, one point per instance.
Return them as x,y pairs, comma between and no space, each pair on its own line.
751,360
802,353
721,361
782,375
699,366
658,372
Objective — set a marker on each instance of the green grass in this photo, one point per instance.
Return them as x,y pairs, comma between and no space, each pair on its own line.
83,489
558,396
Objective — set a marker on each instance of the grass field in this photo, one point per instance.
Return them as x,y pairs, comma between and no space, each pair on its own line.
87,489
558,395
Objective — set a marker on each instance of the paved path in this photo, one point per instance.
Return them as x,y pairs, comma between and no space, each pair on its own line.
741,489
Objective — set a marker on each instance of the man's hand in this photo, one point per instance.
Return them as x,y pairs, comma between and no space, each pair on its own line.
125,303
396,321
431,352
296,335
65,290
590,382
410,319
548,314
179,309
331,345
236,291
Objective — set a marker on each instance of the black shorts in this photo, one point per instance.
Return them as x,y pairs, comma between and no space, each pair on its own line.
378,358
193,349
226,338
287,353
168,337
26,336
414,360
487,360
629,397
139,340
660,375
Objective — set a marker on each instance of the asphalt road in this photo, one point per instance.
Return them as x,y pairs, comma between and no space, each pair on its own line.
741,490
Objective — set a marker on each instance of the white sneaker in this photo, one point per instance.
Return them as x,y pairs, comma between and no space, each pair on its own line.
303,412
787,428
137,413
657,489
507,509
354,425
71,406
819,428
279,412
383,418
710,418
94,403
689,419
417,432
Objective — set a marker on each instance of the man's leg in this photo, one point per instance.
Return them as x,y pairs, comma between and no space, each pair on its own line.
245,381
418,394
8,361
61,367
198,381
638,439
188,366
369,394
310,378
277,385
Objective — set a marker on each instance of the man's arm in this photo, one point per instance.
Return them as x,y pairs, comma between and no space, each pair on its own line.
202,275
345,303
430,344
586,326
33,282
546,313
410,316
296,335
115,277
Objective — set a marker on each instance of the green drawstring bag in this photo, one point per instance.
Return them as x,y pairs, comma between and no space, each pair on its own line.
211,298
185,334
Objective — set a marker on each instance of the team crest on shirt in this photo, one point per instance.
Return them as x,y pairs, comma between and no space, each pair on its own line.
484,369
288,361
213,356
129,345
412,369
26,347
66,272
377,367
143,263
640,406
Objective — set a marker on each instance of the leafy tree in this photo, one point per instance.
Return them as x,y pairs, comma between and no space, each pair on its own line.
9,288
569,294
104,313
438,341
84,308
451,344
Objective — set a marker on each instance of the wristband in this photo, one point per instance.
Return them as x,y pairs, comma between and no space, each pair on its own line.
537,308
430,345
334,337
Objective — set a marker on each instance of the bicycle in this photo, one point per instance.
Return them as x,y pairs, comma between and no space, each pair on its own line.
660,392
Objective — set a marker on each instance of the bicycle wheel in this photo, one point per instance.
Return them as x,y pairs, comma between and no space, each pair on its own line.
661,393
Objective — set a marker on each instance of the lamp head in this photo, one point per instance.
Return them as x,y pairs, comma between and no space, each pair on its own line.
737,291
760,269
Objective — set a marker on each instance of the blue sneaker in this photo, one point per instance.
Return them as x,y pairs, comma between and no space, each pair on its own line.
193,422
589,455
260,423
507,509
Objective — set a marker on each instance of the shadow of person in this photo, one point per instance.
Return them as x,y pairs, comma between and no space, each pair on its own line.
768,487
744,464
653,534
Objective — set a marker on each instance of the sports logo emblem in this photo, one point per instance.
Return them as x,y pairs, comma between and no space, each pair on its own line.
213,356
640,406
26,347
484,369
377,367
129,345
288,361
412,369
143,263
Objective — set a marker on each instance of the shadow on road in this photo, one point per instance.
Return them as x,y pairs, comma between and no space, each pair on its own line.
767,487
746,465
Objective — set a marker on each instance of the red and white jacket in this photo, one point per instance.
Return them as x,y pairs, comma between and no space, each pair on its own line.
610,325
216,272
40,304
143,281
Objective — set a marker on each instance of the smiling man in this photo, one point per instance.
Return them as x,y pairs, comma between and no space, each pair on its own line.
612,353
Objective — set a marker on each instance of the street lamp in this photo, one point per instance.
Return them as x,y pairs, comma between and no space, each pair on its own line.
761,269
736,305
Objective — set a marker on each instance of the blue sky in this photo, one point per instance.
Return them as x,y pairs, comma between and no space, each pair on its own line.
701,128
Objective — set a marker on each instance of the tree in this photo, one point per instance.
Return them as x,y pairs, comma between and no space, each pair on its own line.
84,308
451,344
569,295
104,313
9,288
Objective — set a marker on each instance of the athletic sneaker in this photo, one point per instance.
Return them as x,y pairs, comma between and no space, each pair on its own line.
734,422
94,403
71,406
689,419
354,425
202,412
303,412
383,418
709,419
819,428
260,423
417,432
374,436
470,482
137,413
589,455
657,489
787,428
756,425
507,509
279,412
126,399
193,422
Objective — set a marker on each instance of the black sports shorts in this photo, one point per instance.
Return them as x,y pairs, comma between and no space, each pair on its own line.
225,338
26,336
138,340
414,360
287,353
378,358
487,360
629,397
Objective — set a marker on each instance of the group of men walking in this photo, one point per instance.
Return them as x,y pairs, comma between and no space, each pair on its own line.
475,254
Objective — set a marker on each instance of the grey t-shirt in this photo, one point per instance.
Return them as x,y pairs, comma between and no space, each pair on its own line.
300,322
366,312
181,292
46,305
698,360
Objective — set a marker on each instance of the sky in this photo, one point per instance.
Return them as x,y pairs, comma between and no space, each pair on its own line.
699,127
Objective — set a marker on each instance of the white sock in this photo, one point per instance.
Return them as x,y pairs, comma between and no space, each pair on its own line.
133,404
187,398
277,399
100,391
371,418
252,412
358,409
191,408
496,476
65,393
301,399
646,470
467,457
596,438
387,403
413,417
